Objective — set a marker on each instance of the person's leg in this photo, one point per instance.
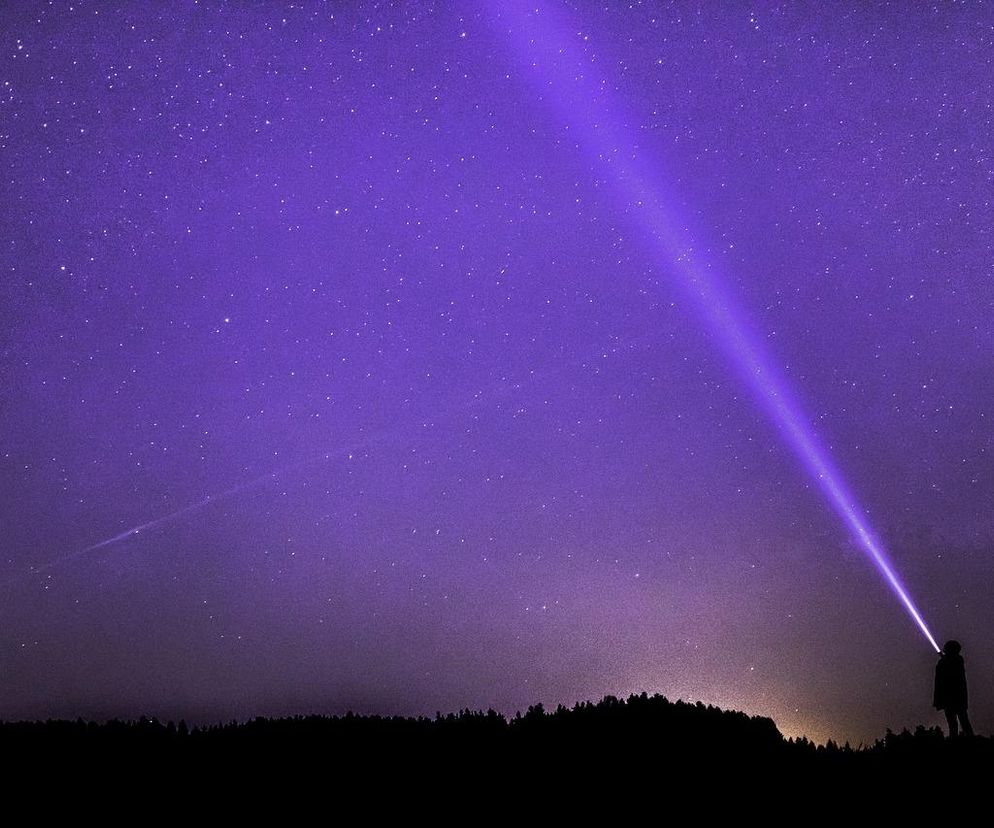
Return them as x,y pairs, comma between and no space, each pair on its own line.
951,721
964,722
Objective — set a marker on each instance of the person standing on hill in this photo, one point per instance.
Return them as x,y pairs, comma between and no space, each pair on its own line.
950,689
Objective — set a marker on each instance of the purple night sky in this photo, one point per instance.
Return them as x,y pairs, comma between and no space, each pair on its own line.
355,309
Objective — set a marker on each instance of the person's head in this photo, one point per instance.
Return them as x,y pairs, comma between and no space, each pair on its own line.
951,648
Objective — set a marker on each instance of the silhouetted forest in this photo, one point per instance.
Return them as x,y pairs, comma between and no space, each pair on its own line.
644,740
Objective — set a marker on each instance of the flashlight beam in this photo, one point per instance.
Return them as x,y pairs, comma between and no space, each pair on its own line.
554,59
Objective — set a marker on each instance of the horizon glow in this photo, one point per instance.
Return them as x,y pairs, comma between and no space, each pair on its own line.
546,46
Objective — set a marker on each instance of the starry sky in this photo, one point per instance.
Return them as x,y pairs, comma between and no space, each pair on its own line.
347,308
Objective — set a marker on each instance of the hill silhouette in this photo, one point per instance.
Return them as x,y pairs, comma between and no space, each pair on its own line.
613,744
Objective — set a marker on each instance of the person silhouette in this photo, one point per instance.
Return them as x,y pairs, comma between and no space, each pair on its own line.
950,689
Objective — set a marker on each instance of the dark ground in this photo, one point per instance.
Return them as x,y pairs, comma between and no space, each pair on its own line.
640,750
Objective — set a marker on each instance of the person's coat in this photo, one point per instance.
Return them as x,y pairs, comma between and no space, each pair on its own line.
950,683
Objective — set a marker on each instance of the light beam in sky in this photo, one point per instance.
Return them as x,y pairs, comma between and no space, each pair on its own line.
573,84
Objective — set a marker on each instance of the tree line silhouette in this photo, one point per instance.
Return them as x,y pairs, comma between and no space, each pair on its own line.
614,742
